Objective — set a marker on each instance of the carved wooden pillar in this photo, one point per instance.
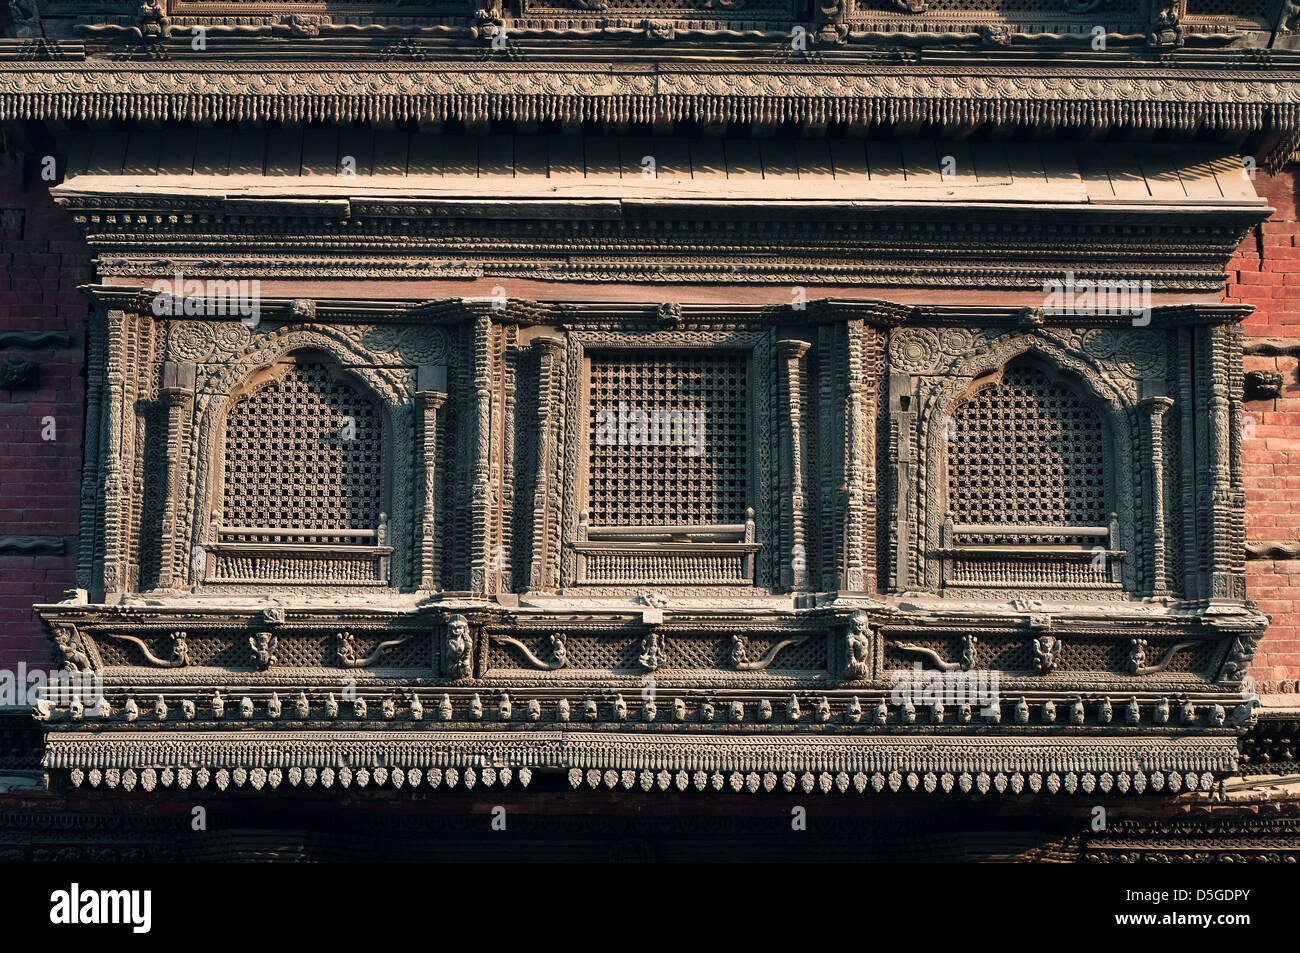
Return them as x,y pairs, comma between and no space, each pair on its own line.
550,360
1227,497
116,456
830,372
178,395
903,464
1155,408
857,450
431,387
794,564
481,564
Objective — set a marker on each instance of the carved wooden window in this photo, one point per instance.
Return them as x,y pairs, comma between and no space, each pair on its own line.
668,461
1028,484
302,480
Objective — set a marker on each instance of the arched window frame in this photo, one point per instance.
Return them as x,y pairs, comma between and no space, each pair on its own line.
1116,402
366,560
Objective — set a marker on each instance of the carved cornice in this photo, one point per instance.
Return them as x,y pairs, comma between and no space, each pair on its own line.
1141,98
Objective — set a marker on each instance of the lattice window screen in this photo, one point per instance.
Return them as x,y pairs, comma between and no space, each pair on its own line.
288,464
1026,450
662,480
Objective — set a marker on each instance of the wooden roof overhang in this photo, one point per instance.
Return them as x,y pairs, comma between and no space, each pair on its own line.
276,204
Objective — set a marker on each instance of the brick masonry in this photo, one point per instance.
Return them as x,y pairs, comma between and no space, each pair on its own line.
42,261
1265,272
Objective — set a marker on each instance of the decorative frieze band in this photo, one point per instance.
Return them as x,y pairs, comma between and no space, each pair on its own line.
473,93
735,764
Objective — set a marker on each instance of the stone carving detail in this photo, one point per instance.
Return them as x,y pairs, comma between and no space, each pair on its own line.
179,656
858,647
458,653
969,650
347,655
1047,652
77,654
559,655
740,655
1137,658
263,646
654,652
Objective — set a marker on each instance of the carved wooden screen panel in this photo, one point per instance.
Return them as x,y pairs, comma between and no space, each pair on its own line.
1026,451
302,468
1028,501
668,440
304,452
668,464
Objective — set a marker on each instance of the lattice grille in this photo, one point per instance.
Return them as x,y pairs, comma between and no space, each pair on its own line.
1256,10
303,452
612,651
1026,450
668,440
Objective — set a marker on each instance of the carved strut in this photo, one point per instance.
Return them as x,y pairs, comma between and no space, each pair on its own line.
1137,668
347,659
559,661
966,663
178,659
768,657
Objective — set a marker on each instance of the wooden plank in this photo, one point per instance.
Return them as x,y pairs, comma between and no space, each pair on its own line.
564,158
284,151
920,161
1096,177
358,146
631,151
460,156
990,160
142,151
814,160
531,161
743,159
779,159
602,157
1196,169
496,156
956,166
247,152
674,158
177,154
424,155
708,161
389,157
1025,162
1161,177
849,160
320,151
1233,180
884,159
1060,163
78,157
212,151
1126,176
109,154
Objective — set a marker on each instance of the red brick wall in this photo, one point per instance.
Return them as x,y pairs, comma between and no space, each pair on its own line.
1271,447
42,261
